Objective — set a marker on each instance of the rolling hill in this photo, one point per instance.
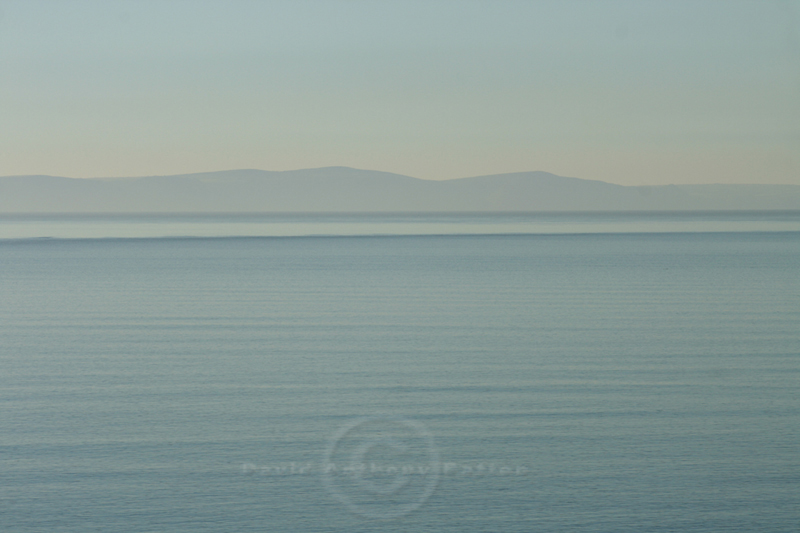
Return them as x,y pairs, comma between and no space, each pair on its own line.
342,189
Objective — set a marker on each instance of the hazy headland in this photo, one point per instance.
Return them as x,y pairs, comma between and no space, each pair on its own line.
343,189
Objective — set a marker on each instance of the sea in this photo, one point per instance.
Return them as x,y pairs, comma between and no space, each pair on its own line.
551,372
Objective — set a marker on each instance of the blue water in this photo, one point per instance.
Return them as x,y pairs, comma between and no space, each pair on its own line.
564,382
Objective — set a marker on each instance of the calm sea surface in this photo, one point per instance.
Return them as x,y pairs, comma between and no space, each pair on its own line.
609,378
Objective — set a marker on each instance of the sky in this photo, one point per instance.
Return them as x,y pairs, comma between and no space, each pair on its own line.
630,92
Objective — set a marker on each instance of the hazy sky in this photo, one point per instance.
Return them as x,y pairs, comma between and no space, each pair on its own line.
630,92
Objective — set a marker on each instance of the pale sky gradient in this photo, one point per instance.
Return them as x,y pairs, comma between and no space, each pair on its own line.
629,92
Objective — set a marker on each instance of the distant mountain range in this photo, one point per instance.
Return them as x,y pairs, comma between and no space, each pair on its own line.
342,189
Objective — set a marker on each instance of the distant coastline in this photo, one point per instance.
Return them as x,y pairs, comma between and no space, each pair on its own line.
349,190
